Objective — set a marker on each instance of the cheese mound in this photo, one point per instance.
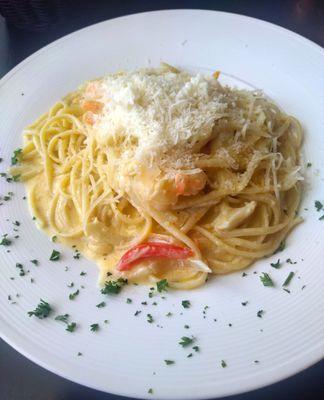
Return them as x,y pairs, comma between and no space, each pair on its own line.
157,110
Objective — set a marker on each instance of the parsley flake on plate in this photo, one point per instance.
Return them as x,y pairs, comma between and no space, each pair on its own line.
72,296
150,319
223,364
260,313
162,285
63,318
114,287
101,305
318,205
169,362
186,303
94,327
276,265
186,341
5,241
71,327
42,310
288,279
266,280
55,256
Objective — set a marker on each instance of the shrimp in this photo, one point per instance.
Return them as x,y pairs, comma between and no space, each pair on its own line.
189,184
93,106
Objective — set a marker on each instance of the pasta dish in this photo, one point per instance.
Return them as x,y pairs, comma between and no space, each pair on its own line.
161,174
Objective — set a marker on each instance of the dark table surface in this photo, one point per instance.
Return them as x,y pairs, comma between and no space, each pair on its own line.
20,379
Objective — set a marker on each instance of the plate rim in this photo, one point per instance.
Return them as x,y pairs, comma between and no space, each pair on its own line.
314,356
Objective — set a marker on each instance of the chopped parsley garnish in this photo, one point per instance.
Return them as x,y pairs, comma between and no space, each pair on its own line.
21,269
244,303
186,303
321,218
266,280
15,159
77,255
5,241
54,238
288,279
55,256
82,273
244,274
150,391
303,287
162,285
144,303
196,348
137,313
101,305
70,285
169,362
128,301
79,354
150,319
223,364
276,265
94,327
260,313
169,314
289,261
114,287
71,327
35,262
72,296
308,165
187,327
318,205
8,196
42,310
189,355
63,318
286,290
186,341
16,223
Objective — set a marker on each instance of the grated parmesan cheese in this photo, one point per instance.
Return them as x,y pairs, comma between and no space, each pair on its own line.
154,111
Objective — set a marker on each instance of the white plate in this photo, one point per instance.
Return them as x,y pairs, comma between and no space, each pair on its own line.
127,355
